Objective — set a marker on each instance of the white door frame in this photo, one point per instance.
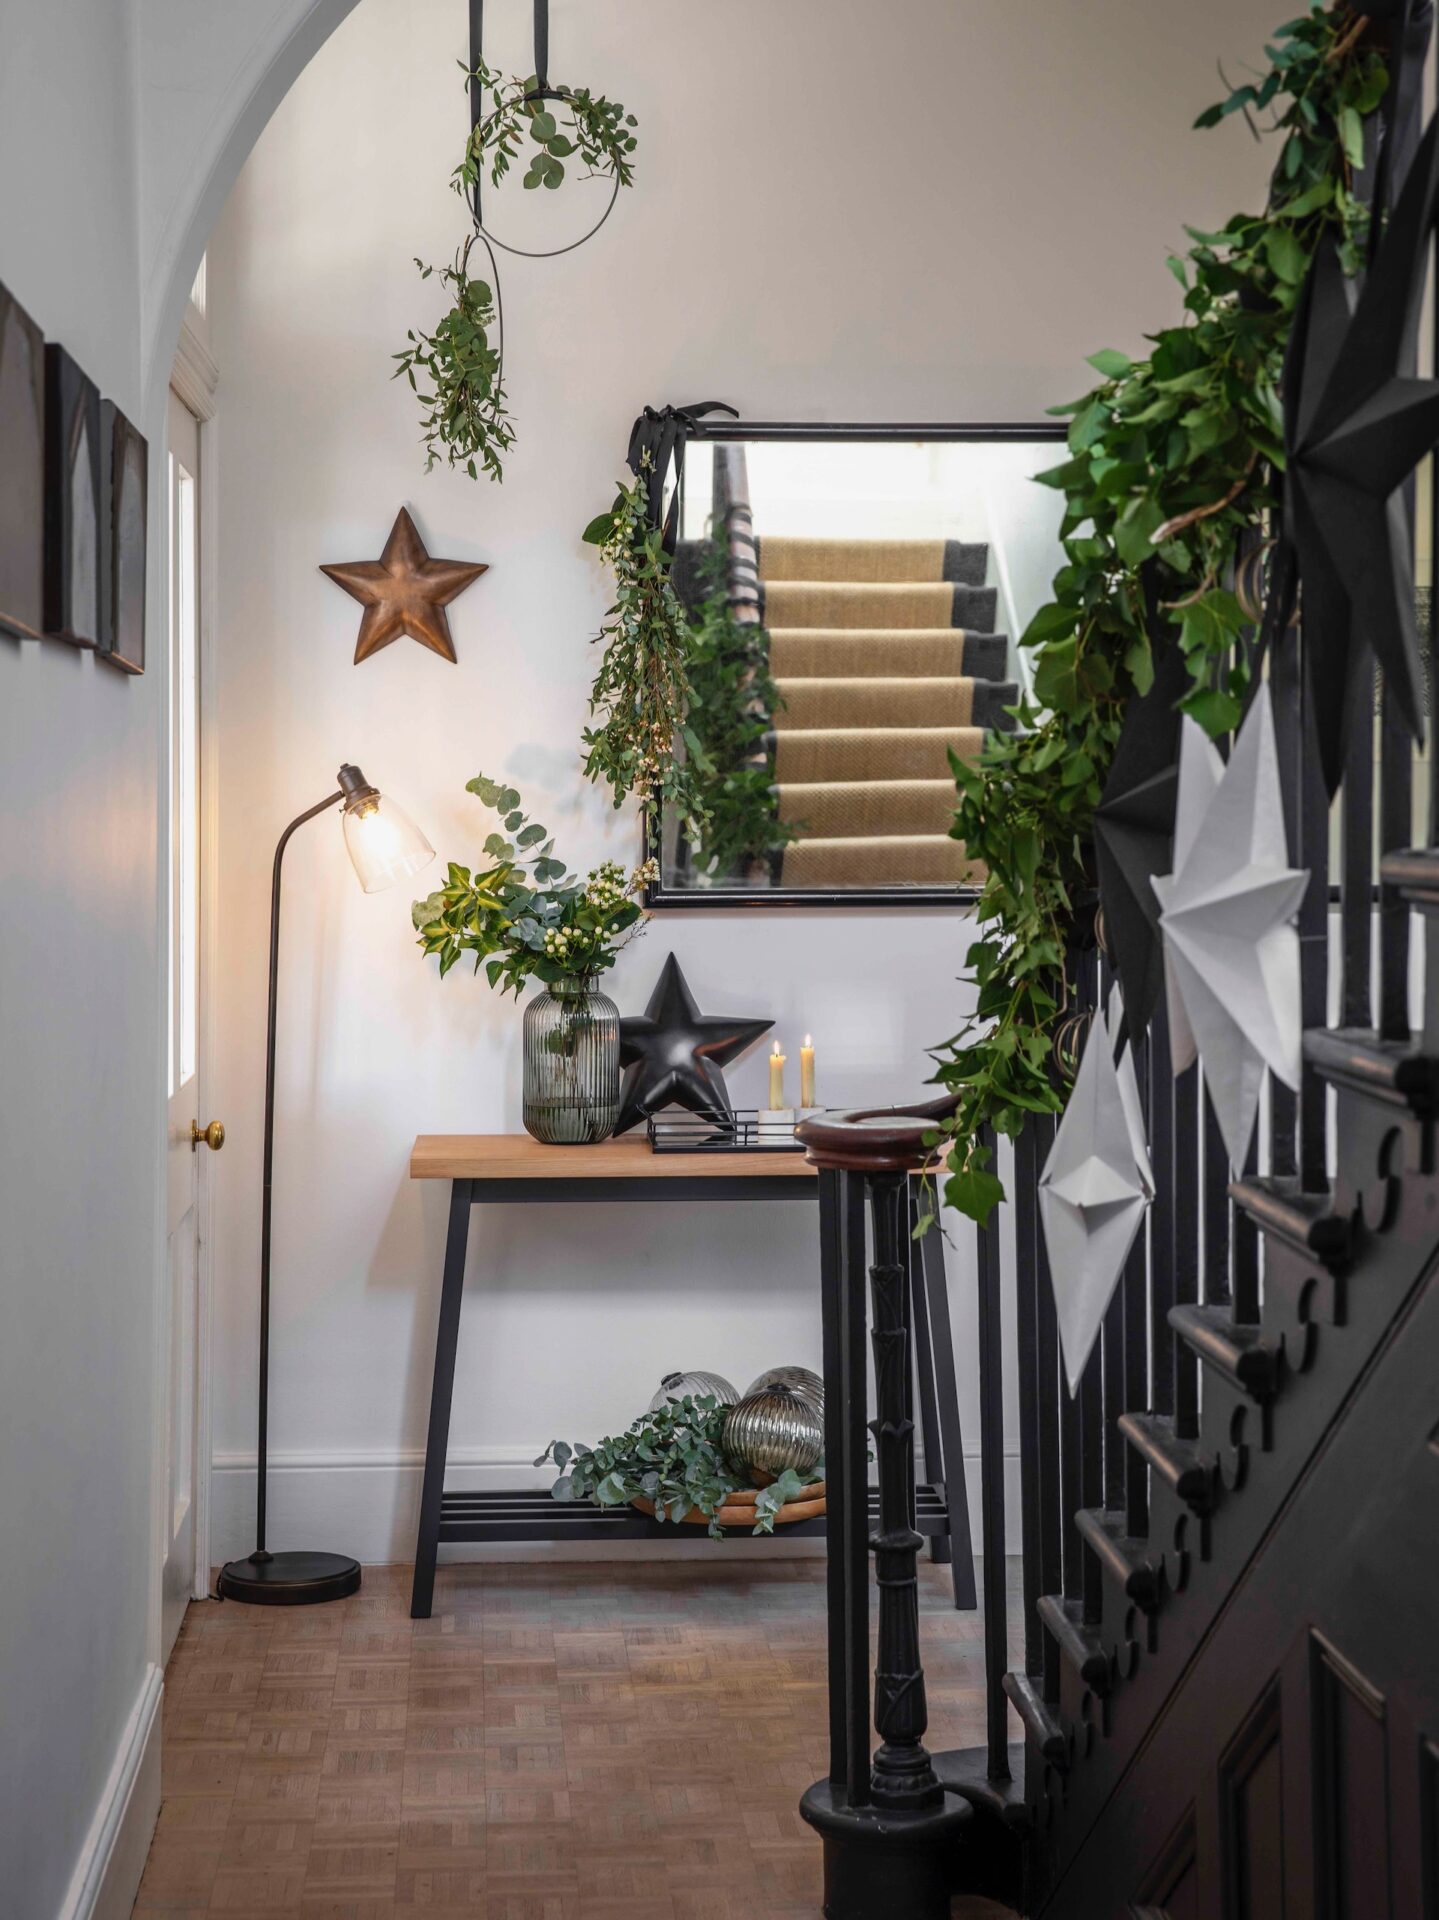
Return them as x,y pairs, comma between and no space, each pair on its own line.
194,379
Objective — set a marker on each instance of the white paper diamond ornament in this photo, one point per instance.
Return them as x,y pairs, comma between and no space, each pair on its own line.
1093,1193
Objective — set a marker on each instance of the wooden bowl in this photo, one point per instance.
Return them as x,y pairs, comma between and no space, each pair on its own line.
739,1509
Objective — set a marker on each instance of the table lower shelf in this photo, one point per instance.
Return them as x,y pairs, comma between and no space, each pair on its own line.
490,1514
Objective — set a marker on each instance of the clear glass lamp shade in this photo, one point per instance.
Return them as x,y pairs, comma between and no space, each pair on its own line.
383,843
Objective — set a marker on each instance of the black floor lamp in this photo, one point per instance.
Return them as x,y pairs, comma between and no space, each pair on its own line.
384,845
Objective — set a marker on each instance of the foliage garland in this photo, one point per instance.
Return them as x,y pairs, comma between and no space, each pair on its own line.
642,693
1172,459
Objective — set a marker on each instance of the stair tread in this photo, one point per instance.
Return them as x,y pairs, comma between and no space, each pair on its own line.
858,809
1039,1719
871,753
799,653
887,603
1123,1556
1242,1353
1307,1220
810,557
862,702
1181,1463
1398,1072
1077,1640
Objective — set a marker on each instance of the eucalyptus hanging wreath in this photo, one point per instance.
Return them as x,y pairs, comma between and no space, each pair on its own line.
466,421
1172,459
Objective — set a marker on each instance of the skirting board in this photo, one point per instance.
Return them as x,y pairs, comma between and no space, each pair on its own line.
368,1505
107,1873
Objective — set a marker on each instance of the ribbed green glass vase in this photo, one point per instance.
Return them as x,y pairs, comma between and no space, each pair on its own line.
572,1065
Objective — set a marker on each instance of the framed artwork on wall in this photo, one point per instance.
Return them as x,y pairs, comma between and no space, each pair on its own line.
72,502
22,471
125,462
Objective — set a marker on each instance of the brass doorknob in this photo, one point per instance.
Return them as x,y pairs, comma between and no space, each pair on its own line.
213,1135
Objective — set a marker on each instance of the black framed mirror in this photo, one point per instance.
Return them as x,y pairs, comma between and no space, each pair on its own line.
855,595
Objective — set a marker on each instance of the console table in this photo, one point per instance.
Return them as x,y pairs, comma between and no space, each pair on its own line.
506,1169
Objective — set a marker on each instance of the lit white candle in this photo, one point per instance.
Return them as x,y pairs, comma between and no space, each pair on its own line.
776,1078
806,1073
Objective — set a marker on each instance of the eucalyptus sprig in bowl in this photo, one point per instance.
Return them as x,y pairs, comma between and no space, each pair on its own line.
526,917
672,1463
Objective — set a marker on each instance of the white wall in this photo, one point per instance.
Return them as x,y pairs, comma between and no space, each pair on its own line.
100,198
78,1002
768,257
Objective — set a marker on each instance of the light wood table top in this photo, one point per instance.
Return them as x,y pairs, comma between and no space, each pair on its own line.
515,1156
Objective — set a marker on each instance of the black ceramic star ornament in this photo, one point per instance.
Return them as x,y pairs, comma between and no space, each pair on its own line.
675,1055
1134,834
1357,423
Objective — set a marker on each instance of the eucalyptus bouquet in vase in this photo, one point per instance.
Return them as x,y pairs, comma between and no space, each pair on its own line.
525,916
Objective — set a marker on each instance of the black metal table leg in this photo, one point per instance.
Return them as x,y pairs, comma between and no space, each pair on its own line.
956,1495
441,1393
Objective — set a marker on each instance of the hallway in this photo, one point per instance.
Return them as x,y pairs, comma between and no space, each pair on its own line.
592,1741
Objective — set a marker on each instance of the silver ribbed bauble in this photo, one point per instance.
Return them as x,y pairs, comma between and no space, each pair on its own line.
675,1386
773,1430
804,1380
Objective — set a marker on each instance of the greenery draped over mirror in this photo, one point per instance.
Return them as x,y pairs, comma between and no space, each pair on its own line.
1173,458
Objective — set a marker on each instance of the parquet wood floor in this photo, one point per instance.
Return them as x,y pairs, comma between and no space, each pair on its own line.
595,1741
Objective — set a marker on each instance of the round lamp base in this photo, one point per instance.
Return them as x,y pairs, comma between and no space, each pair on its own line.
289,1579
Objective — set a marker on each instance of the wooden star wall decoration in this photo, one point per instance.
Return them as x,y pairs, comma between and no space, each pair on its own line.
404,591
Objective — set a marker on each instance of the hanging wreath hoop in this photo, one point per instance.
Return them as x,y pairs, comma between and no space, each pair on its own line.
480,138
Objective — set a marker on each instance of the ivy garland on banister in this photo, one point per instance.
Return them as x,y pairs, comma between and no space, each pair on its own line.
1171,459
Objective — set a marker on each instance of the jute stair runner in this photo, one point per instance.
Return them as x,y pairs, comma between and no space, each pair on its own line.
890,604
780,558
855,653
884,657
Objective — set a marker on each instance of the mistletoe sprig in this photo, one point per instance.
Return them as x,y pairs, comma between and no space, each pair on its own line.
600,134
642,694
1171,460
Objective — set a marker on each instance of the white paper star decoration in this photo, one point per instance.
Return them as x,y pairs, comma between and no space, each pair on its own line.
1230,946
1093,1193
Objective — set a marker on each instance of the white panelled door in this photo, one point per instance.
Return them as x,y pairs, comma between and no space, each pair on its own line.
191,1136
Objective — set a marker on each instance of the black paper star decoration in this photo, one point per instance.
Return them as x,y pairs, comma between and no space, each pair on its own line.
1134,834
1356,425
673,1053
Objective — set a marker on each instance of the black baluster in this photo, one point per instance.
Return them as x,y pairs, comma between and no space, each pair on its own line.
1161,1215
1284,692
1245,1242
1217,1205
1135,1289
1049,1389
1313,956
1026,1226
991,1422
1356,872
1186,1246
902,1775
1396,775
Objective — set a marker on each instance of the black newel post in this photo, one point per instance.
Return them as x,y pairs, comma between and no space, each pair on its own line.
903,1776
890,1827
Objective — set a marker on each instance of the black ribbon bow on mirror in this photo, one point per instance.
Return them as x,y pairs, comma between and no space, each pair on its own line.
661,433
